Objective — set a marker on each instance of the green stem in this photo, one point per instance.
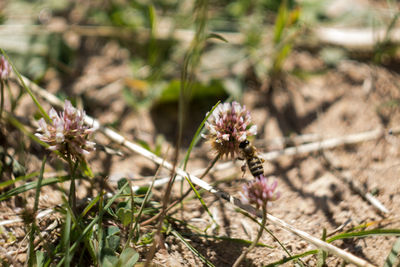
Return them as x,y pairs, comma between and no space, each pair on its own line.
35,209
72,193
253,245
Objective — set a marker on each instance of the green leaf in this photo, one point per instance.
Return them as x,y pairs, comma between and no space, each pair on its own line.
40,259
89,228
280,22
113,242
122,184
86,169
112,230
125,216
127,258
108,258
112,237
17,168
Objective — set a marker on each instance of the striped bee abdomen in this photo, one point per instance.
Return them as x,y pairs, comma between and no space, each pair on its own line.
255,166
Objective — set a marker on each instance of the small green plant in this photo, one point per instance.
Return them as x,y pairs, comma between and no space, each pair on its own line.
67,134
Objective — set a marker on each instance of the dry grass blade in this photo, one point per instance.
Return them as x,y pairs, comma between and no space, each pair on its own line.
116,137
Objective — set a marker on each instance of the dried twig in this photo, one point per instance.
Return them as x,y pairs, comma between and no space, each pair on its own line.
116,137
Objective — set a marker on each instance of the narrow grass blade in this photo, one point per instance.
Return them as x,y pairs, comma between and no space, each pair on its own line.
32,185
196,136
191,248
141,209
200,198
66,238
32,254
93,222
20,178
294,257
266,229
89,206
235,240
365,234
42,111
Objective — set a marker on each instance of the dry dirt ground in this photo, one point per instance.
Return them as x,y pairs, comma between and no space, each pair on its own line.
353,97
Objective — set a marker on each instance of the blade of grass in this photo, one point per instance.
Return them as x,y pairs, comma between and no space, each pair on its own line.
200,199
191,248
31,253
89,206
19,178
66,238
93,222
366,233
196,136
265,228
139,215
32,185
42,111
234,240
294,257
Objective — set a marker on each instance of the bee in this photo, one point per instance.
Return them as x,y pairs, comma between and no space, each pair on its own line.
249,153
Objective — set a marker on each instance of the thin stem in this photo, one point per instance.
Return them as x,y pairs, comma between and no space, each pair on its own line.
72,193
253,245
35,208
211,165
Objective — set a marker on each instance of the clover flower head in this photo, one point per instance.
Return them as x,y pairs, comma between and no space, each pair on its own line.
5,69
228,126
259,192
67,132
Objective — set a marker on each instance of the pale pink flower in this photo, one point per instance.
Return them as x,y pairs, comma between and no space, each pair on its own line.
5,69
66,132
259,192
228,126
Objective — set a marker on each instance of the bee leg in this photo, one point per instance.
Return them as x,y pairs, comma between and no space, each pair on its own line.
243,168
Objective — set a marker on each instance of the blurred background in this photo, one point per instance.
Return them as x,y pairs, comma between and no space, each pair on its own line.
314,69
